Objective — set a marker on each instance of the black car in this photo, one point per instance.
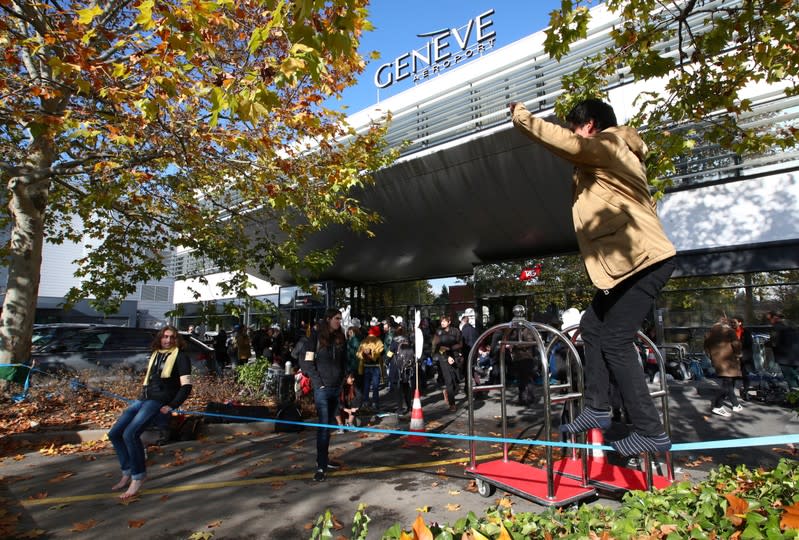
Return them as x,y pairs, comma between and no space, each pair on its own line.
97,349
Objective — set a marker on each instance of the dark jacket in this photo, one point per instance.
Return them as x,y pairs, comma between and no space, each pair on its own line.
326,366
165,390
783,342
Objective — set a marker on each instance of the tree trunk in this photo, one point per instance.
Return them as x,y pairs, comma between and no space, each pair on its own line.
28,197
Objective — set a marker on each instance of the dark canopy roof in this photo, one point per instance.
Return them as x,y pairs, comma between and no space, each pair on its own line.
494,197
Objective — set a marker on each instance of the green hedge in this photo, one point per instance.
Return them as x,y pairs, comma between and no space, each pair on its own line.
731,503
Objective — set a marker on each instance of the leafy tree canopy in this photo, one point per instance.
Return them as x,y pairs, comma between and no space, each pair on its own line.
704,54
139,125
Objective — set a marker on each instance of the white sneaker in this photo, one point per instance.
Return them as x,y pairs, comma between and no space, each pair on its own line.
721,411
738,408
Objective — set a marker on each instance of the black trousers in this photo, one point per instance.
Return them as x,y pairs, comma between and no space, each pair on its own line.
608,328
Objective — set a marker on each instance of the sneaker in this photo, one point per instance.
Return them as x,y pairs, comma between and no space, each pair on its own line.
333,465
319,476
721,411
738,408
340,431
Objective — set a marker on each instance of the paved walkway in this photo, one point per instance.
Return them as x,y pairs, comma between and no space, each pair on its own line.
243,481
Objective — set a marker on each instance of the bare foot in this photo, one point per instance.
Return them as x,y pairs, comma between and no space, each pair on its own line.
133,489
122,483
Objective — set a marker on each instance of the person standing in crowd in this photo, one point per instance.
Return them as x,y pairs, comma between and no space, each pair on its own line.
353,343
243,346
724,350
277,343
747,356
323,358
220,350
447,346
627,255
469,334
370,362
259,342
167,384
784,344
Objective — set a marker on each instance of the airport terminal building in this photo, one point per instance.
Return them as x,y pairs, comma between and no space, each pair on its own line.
469,190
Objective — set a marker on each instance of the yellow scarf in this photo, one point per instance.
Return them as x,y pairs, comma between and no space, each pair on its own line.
168,365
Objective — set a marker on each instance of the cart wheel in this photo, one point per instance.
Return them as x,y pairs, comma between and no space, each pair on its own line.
484,488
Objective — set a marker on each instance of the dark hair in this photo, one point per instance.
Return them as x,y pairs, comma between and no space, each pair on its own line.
179,341
347,390
325,334
592,109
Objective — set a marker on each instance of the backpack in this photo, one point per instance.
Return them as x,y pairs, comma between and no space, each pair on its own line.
406,361
305,384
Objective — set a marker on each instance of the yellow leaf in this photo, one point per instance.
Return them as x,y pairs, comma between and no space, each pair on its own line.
201,535
423,509
452,507
86,16
475,535
504,501
503,534
145,17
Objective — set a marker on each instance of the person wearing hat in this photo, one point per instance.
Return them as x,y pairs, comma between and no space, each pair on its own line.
370,364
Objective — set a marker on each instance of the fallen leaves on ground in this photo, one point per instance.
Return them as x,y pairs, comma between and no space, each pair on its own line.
136,523
83,525
201,535
452,507
63,475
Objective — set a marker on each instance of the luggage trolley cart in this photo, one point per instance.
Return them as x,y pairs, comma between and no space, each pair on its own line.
533,483
615,478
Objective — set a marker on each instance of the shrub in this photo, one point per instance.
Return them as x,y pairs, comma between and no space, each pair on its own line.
731,503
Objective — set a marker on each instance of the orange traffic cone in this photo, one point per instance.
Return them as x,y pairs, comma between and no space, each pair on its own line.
595,439
417,420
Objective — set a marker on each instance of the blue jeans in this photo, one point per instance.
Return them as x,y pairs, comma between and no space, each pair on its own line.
371,382
126,436
326,400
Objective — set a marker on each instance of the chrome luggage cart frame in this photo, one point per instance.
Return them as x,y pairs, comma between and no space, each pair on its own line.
533,483
577,475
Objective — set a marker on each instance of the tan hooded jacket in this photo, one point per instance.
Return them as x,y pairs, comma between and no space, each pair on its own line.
615,217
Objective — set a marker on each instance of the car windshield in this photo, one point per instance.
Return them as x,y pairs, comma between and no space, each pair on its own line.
44,335
79,340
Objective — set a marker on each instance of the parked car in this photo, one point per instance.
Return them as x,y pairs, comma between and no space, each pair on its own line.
97,349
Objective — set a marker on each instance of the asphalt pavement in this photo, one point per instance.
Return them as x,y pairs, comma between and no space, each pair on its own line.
244,481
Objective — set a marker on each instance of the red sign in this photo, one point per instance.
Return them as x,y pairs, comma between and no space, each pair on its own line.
530,273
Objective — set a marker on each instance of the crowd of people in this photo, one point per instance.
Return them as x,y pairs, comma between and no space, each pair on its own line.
729,345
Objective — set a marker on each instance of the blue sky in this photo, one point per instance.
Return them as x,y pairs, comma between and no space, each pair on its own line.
397,23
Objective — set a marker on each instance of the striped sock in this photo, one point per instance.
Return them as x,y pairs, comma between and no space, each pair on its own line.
635,444
588,419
